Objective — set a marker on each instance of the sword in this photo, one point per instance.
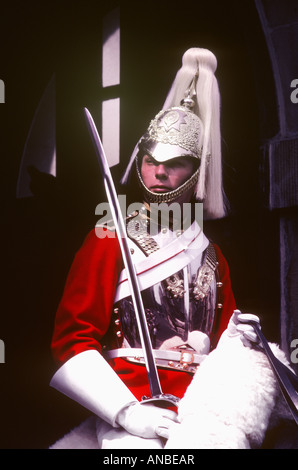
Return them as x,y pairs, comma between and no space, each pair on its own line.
156,393
287,380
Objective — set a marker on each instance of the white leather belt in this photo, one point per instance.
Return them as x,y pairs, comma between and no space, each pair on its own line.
182,360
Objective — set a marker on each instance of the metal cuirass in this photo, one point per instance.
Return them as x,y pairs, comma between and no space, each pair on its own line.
180,307
168,315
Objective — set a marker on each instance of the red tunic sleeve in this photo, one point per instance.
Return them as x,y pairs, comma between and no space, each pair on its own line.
84,312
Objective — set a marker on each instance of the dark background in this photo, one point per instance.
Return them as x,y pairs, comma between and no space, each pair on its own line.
42,233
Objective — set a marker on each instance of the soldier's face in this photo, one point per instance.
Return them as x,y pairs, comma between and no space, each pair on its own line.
167,176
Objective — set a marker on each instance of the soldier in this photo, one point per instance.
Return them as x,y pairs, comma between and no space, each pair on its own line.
183,276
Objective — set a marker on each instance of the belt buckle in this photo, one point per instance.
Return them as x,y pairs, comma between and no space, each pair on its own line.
186,359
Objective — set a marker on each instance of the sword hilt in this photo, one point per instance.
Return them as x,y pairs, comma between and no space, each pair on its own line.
162,400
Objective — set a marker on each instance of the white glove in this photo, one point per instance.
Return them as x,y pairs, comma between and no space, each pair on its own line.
146,420
237,326
88,379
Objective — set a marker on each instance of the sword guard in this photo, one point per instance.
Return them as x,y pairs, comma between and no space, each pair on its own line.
163,400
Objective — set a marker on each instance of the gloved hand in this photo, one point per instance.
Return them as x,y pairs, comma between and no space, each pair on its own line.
146,420
238,326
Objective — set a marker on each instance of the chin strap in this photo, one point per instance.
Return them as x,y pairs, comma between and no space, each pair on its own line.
89,380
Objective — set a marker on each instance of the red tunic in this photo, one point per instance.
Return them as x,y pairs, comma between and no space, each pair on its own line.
84,314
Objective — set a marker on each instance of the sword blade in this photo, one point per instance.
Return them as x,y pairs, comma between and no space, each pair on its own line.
153,378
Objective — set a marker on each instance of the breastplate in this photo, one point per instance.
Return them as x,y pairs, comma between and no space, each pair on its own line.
176,307
168,317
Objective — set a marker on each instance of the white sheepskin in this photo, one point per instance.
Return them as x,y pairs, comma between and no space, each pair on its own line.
229,404
230,400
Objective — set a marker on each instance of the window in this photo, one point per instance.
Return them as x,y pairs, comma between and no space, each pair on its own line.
111,86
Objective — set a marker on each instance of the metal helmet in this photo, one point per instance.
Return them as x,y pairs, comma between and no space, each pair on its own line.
189,126
174,132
